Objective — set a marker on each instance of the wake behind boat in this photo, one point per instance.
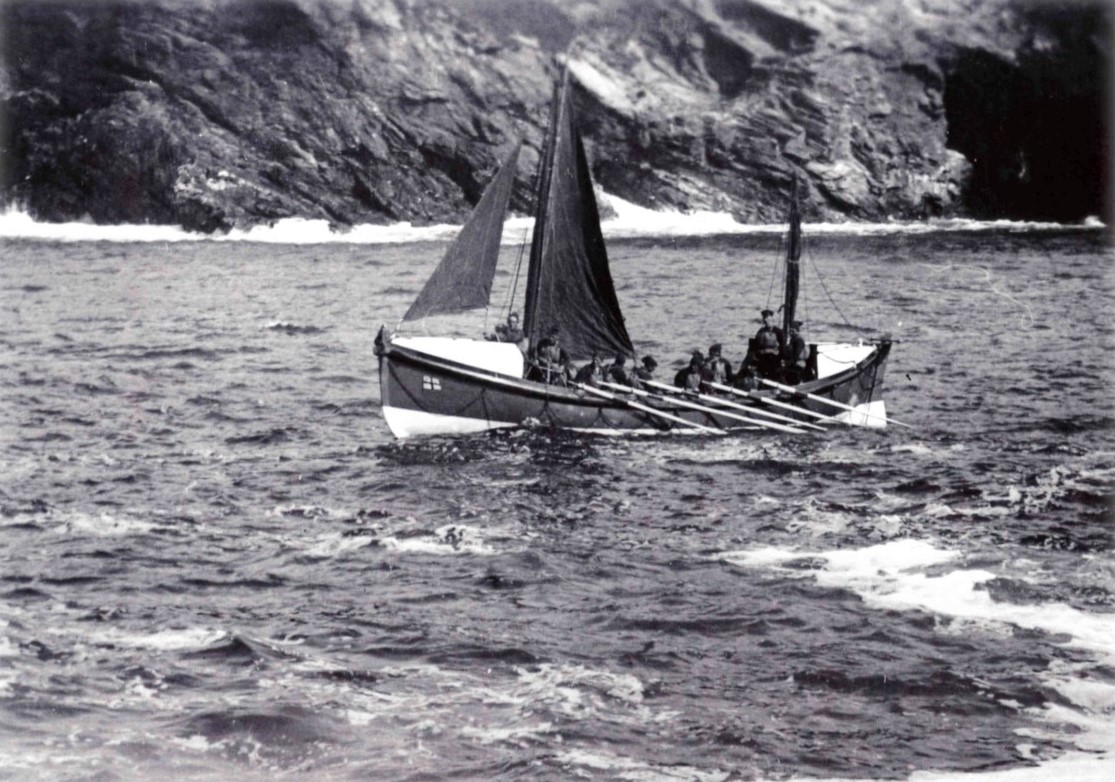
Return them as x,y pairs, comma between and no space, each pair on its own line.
441,385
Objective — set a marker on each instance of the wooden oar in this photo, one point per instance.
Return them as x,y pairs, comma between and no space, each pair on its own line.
833,402
647,409
674,390
828,419
706,410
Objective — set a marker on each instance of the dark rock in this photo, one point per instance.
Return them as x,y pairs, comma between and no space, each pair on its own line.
236,112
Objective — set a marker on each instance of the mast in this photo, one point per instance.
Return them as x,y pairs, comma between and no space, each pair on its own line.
569,284
793,261
541,200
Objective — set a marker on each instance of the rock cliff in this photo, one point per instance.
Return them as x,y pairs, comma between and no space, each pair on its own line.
215,113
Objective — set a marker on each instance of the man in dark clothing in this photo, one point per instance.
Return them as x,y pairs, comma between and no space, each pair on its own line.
795,368
745,379
767,347
590,374
689,378
551,361
616,372
716,368
646,371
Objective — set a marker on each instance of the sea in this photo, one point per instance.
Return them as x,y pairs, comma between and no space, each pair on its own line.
217,563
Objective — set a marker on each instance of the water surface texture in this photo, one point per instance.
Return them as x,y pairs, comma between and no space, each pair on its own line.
216,563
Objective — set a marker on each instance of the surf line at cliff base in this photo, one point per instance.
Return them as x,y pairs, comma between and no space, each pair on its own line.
431,385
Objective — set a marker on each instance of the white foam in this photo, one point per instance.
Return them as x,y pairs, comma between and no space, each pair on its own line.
331,546
906,574
889,576
102,525
169,640
1066,768
449,540
18,225
619,767
630,220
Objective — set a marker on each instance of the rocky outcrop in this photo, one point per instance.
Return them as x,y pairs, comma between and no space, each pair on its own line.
233,112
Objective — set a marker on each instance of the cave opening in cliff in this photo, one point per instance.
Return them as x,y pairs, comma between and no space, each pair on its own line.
1036,130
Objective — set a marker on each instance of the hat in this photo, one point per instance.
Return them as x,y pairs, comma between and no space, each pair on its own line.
797,324
514,315
766,313
649,361
714,348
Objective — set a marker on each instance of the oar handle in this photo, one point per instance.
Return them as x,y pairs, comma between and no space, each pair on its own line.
796,409
791,426
752,409
647,409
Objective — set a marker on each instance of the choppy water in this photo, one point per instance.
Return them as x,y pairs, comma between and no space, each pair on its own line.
216,563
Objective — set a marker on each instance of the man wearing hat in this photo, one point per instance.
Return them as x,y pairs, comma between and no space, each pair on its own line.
689,377
716,369
767,346
646,371
591,373
797,355
616,372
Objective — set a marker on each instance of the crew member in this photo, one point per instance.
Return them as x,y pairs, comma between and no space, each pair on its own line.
551,360
591,373
689,377
616,372
716,368
795,367
646,371
509,331
767,347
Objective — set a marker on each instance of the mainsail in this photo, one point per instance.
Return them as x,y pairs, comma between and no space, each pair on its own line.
463,279
569,286
793,264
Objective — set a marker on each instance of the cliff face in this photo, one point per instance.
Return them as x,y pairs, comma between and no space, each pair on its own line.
217,113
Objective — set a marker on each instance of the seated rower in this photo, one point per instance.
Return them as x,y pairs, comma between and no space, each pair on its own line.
616,372
646,371
551,362
716,368
689,377
745,379
591,373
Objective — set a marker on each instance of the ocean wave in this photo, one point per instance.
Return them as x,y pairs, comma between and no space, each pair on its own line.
628,221
912,574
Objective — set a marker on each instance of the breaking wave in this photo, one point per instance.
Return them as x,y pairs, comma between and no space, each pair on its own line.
628,221
909,574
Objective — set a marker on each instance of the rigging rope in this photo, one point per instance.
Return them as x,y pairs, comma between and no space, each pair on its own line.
817,271
515,279
777,266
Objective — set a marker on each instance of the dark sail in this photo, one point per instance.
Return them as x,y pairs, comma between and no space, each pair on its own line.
569,286
463,279
793,264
